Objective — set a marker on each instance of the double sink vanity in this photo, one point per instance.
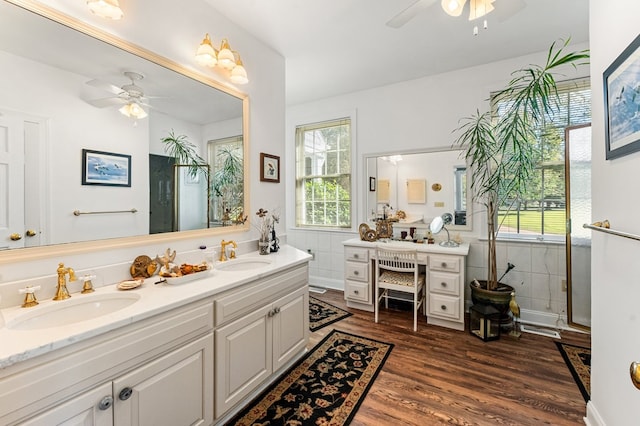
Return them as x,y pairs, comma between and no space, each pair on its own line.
189,353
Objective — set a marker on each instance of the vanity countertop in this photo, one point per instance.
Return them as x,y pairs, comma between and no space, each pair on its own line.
461,250
21,345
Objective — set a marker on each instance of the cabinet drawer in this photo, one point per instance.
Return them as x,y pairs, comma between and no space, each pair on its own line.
356,254
444,306
444,263
445,283
356,291
356,271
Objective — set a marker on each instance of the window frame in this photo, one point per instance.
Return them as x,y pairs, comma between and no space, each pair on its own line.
297,209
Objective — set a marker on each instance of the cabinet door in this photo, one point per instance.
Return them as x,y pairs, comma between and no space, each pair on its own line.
93,408
290,326
176,389
243,357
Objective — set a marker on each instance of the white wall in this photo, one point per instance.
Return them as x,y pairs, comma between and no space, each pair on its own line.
421,114
614,262
174,30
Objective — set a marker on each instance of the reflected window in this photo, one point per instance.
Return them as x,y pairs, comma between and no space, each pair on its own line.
460,195
323,174
225,157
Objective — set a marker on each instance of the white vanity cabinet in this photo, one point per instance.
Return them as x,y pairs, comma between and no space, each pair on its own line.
259,330
157,371
445,268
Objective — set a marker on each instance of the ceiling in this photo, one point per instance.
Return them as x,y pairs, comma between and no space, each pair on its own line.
333,47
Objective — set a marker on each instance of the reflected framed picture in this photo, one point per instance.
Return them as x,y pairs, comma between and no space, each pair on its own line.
622,102
372,183
269,168
105,168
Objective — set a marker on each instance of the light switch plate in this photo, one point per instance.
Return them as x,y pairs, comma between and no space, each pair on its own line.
438,204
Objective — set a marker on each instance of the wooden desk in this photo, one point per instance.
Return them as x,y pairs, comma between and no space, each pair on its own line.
445,273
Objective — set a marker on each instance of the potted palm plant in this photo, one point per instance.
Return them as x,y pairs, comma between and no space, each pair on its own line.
502,152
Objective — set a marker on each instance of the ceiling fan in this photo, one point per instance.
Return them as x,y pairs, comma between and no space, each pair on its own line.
125,94
503,9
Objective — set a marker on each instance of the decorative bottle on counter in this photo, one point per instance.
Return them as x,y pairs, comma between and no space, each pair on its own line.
275,241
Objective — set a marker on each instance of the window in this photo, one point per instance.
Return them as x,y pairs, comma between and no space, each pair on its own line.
323,174
542,210
227,179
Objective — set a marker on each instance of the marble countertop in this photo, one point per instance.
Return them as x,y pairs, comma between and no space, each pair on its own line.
461,250
21,345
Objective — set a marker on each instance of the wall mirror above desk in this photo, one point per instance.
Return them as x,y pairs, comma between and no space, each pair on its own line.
422,184
64,86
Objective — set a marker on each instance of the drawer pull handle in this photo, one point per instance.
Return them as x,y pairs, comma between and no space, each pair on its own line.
443,307
356,273
276,311
443,284
105,403
125,394
356,292
443,264
356,256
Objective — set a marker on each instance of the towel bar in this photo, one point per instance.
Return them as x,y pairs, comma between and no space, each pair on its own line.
78,212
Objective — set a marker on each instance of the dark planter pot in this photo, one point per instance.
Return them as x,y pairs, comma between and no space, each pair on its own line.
498,298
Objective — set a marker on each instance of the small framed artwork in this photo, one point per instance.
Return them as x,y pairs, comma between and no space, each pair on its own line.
372,183
621,108
105,168
269,168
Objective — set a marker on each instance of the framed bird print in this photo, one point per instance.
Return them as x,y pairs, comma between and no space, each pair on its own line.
269,168
105,168
622,102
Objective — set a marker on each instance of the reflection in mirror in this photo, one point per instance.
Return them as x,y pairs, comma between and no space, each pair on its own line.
64,91
423,185
191,208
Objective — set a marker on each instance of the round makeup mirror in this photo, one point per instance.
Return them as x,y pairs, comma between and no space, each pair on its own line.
438,224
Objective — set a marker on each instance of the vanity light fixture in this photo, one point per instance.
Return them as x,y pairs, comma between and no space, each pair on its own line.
105,8
453,7
225,58
133,110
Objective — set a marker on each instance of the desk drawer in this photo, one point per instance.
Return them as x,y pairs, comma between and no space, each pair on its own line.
444,306
356,254
356,291
356,271
444,263
445,283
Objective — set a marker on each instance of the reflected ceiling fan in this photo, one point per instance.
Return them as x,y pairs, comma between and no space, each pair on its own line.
476,9
130,96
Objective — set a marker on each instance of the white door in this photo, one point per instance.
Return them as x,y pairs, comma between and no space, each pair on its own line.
290,326
176,389
92,408
11,182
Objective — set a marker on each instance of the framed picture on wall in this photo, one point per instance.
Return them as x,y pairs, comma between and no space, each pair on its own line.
622,102
269,168
372,183
105,168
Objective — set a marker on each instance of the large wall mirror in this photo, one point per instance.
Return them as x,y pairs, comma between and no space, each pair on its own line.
421,184
74,168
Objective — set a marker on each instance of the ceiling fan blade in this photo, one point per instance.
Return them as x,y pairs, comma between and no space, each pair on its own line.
106,102
409,13
105,86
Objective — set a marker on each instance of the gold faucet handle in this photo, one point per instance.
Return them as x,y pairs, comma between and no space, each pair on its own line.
29,296
87,287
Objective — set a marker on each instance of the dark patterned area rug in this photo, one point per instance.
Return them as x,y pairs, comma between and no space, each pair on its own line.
323,313
326,387
578,360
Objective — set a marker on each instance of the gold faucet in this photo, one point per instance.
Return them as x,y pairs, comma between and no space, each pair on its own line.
62,292
223,250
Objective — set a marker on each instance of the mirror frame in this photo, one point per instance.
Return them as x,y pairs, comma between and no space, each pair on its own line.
41,252
374,155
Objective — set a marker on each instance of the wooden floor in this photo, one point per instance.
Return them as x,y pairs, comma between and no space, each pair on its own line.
442,376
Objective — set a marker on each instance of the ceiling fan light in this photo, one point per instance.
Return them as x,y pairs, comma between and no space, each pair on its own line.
239,74
105,8
133,110
479,8
226,59
206,54
453,7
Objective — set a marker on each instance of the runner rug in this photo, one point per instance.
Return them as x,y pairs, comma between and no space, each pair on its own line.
326,387
322,313
578,360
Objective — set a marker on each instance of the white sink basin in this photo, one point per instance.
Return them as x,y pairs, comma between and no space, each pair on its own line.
78,308
243,264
